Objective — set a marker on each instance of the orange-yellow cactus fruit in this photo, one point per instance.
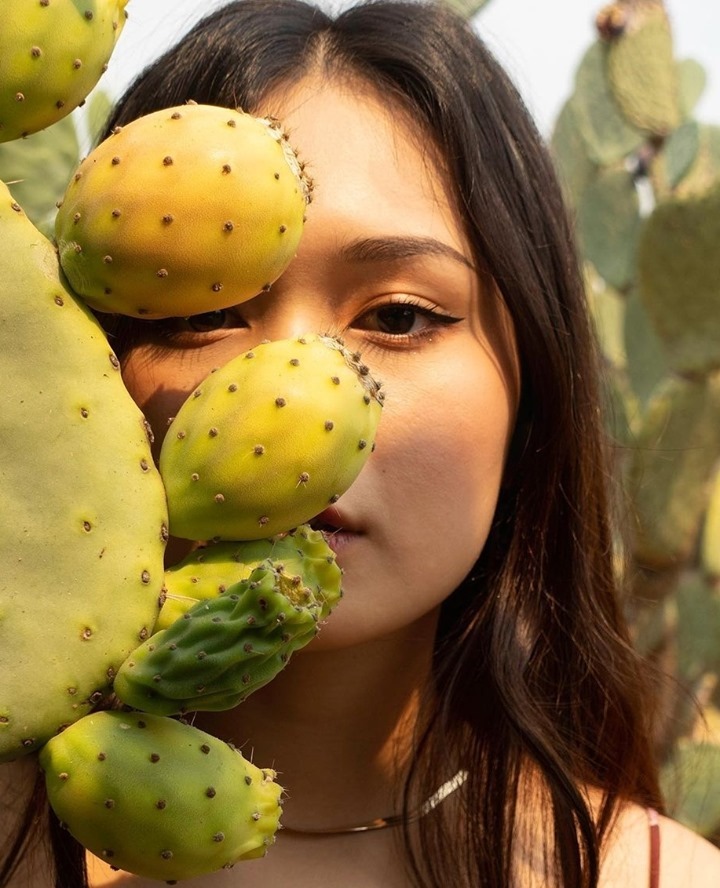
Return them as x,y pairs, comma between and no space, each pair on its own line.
183,211
52,53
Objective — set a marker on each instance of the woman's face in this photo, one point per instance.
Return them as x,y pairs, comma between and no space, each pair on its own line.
384,263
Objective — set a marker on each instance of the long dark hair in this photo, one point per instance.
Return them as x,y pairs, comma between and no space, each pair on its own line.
534,671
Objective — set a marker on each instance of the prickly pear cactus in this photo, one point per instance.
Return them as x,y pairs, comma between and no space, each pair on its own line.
644,177
157,797
84,515
269,440
225,648
303,553
52,53
182,211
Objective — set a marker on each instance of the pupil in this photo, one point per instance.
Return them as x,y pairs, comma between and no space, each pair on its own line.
396,318
209,320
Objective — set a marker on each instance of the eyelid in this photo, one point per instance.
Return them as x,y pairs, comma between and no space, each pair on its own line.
424,306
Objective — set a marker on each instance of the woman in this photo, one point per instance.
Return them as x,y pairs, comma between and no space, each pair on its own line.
477,679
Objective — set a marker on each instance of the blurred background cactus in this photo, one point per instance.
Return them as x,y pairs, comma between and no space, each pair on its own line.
643,178
37,168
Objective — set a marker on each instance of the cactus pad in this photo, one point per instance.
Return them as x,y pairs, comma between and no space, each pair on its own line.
677,448
157,797
679,279
609,223
642,70
84,516
608,135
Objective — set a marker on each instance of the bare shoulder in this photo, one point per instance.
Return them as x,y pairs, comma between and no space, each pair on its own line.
686,859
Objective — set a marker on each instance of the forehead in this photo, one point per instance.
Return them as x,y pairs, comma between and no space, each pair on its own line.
367,154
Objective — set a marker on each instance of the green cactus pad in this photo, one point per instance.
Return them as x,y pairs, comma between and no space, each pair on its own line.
268,441
692,80
159,798
575,167
704,173
207,572
646,363
51,56
84,515
39,168
223,649
642,71
182,211
672,464
608,136
710,546
693,800
609,223
679,279
680,152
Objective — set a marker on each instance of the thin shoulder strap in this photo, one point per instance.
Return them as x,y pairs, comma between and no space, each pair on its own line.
654,824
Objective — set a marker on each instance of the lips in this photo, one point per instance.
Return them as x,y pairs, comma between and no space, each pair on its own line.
337,529
331,520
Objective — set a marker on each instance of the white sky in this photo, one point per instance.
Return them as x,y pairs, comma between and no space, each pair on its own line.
540,42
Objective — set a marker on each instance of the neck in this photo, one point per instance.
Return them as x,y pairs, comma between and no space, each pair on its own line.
337,725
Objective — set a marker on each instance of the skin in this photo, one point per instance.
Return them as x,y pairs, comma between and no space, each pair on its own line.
337,723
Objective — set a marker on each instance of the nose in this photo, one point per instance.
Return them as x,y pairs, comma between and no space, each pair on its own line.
293,307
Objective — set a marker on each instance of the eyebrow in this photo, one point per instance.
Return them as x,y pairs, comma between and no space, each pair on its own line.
394,247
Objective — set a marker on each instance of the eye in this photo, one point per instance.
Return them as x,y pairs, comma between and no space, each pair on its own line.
208,321
396,319
403,319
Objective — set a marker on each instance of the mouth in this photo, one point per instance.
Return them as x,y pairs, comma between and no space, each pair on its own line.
336,527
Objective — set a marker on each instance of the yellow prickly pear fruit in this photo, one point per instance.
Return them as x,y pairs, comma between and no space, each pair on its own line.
159,798
84,521
183,211
269,440
52,53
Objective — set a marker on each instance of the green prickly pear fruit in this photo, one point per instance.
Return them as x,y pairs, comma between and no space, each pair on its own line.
269,440
83,507
223,649
183,211
208,571
157,797
51,56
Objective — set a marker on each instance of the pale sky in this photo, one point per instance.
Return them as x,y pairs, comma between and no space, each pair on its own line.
540,42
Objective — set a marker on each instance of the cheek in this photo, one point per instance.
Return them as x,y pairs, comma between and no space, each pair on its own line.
444,446
158,387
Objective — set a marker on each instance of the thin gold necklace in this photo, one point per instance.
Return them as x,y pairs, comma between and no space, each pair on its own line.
440,794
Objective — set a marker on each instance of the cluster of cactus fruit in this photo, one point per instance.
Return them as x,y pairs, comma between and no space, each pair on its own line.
88,613
643,177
